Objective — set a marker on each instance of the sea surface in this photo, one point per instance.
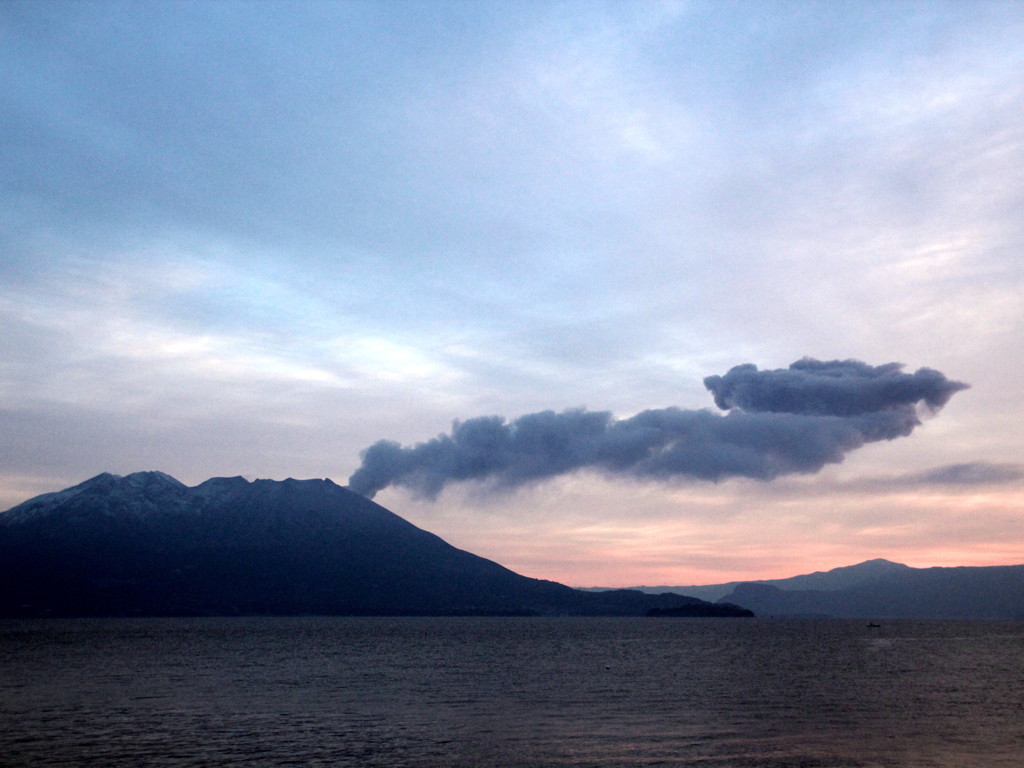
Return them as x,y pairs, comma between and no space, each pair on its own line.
511,693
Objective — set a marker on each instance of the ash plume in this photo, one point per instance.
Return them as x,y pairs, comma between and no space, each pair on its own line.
834,388
786,421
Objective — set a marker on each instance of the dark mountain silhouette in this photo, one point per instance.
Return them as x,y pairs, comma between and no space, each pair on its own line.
146,544
837,578
992,592
877,589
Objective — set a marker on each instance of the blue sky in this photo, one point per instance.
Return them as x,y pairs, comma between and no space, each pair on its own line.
256,238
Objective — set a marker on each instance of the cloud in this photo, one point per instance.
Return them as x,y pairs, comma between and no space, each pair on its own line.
834,388
791,421
972,473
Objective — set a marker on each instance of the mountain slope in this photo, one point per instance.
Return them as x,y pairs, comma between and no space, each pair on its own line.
837,578
992,592
146,544
878,589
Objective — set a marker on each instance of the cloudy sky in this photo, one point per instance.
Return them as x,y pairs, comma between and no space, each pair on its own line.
255,238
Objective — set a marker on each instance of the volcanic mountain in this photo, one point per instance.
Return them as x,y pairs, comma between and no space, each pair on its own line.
146,544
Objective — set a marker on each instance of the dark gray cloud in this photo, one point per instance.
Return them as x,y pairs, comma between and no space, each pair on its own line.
972,473
781,422
830,388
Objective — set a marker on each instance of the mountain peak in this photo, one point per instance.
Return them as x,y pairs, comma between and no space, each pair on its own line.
138,494
153,484
217,485
152,478
878,562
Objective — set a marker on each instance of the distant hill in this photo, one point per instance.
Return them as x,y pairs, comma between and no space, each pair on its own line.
837,578
993,592
145,544
878,589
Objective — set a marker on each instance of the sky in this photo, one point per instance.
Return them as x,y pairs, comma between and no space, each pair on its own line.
420,243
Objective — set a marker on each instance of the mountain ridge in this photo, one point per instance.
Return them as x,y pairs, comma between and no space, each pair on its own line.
146,544
832,579
878,588
993,592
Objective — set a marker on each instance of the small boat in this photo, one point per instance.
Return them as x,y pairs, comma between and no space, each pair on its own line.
872,625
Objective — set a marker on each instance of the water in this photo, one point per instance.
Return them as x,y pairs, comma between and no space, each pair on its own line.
510,693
